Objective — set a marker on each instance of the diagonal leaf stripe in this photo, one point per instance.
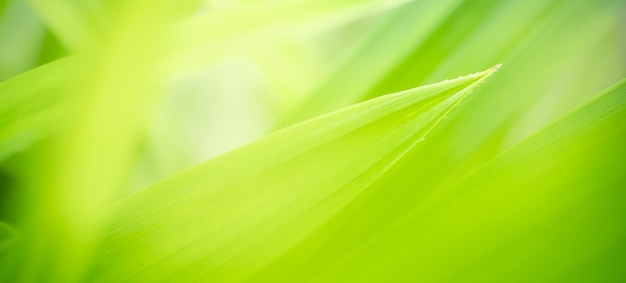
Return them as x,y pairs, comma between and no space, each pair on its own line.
198,224
30,111
600,107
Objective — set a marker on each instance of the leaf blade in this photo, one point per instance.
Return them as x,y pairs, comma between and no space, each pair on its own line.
226,195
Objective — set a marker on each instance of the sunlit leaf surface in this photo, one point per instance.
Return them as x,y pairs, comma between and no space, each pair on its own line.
285,141
269,193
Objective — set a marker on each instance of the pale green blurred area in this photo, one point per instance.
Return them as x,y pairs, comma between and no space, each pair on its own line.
151,88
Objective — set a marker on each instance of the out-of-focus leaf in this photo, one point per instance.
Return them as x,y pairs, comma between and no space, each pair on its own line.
225,219
198,40
21,34
267,25
34,104
71,21
352,77
8,236
604,105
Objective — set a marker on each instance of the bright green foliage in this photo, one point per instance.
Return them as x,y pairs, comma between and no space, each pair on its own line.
31,111
286,141
606,104
270,192
482,228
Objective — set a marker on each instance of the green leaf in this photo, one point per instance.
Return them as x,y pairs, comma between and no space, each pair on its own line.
30,111
510,107
587,117
539,207
352,77
264,197
26,40
605,104
202,39
8,237
71,21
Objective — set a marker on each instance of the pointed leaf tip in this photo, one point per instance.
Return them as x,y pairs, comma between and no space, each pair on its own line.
487,73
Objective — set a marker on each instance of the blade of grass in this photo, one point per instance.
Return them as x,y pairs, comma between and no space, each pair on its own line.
264,197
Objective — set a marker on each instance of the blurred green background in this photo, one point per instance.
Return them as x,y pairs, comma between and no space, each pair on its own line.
101,99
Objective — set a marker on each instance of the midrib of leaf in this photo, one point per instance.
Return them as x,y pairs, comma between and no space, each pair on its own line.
296,169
